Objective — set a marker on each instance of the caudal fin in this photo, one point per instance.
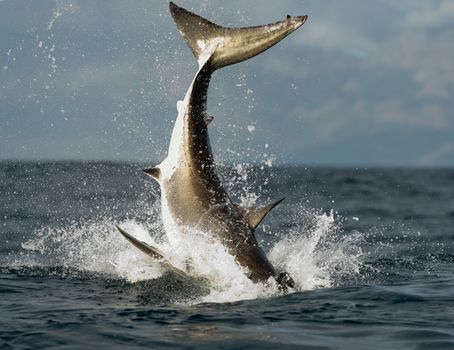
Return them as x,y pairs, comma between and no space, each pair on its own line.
230,45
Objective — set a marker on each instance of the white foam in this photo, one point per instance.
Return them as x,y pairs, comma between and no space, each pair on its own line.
310,256
313,257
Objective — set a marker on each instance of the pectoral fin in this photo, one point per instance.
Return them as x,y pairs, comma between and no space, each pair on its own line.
153,252
144,247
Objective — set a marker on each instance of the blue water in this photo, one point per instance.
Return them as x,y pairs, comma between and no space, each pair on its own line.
371,251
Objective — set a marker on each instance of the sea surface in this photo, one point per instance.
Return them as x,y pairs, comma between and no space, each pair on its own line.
371,252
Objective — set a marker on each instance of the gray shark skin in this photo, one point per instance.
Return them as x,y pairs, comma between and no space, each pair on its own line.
192,196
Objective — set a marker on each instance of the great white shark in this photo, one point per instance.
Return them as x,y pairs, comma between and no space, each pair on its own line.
192,196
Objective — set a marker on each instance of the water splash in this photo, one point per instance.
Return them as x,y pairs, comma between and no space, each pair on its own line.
322,256
91,246
316,256
61,7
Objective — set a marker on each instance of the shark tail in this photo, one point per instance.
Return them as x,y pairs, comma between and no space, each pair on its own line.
227,46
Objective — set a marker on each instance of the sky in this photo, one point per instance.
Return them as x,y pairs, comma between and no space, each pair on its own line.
362,83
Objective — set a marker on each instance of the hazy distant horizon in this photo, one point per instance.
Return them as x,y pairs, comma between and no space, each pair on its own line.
261,168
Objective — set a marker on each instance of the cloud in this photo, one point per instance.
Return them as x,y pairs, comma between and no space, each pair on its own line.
330,36
393,111
426,55
340,116
439,155
435,16
420,45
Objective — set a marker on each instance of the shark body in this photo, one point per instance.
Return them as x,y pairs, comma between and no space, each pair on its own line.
192,195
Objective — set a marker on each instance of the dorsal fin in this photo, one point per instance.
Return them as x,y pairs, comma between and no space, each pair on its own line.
254,216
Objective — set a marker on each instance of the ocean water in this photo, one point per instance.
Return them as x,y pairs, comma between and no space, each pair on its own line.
371,252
